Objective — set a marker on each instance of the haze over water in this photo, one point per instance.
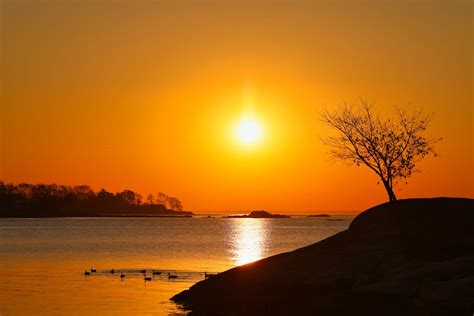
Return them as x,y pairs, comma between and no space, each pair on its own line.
42,261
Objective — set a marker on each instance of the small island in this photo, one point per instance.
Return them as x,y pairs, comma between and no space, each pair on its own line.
258,214
319,215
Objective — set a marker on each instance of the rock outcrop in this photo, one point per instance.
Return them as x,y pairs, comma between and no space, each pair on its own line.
259,214
411,257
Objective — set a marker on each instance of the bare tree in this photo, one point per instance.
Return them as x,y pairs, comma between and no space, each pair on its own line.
174,204
390,148
169,202
161,198
150,199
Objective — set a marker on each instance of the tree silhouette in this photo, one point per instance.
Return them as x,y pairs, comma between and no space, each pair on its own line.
33,200
170,202
174,204
150,199
390,148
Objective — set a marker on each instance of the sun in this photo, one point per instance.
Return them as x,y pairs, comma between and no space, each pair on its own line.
248,131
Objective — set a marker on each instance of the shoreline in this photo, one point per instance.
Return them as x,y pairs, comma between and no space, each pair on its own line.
181,216
111,216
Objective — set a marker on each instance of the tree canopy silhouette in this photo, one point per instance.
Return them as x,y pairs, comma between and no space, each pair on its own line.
390,148
45,200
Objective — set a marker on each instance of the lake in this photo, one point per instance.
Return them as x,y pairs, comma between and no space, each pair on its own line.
42,261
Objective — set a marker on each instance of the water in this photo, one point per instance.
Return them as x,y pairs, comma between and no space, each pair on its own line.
42,261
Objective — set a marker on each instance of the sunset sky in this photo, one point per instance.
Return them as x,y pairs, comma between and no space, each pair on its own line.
149,95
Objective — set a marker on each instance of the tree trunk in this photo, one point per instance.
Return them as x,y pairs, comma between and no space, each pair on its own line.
388,187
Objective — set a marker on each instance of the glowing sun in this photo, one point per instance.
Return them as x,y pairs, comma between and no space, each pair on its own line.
248,131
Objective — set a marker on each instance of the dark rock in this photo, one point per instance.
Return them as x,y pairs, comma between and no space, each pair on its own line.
259,214
412,257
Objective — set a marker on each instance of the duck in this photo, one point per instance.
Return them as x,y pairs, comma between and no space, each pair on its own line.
172,276
122,275
87,273
93,270
155,272
147,278
112,271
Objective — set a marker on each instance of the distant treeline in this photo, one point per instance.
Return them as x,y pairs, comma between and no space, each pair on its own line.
53,200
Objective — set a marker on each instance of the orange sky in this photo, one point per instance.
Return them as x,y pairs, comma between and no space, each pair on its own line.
145,95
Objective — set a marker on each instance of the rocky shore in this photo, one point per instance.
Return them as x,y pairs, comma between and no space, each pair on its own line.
411,257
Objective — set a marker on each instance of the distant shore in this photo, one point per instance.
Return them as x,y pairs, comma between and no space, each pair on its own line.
108,216
145,210
27,200
183,214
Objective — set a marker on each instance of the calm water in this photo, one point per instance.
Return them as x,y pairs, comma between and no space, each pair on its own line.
42,261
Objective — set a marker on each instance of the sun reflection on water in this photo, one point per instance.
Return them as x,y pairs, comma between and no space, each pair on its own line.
249,240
